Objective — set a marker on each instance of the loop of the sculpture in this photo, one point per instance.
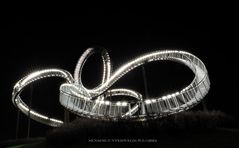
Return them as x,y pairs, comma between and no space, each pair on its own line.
106,65
99,102
106,75
21,84
81,101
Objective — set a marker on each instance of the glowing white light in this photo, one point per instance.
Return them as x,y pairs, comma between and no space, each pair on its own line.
164,98
118,103
147,101
124,103
168,96
107,102
153,100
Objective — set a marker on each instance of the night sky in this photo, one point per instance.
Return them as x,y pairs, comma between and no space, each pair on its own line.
39,42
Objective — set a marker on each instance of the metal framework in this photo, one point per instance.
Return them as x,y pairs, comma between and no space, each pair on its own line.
99,103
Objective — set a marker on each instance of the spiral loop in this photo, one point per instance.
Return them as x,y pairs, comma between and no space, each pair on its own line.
81,101
99,102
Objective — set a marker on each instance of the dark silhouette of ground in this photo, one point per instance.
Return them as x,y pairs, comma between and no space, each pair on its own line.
188,129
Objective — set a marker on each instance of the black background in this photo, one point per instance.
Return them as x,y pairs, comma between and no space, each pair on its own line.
31,43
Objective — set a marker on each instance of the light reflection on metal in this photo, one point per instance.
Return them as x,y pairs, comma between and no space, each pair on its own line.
99,102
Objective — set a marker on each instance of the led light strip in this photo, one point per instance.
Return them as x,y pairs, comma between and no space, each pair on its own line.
98,102
21,84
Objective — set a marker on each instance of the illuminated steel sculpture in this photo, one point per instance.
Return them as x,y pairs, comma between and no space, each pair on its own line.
98,103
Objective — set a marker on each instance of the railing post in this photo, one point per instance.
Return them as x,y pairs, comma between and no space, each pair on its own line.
30,105
17,125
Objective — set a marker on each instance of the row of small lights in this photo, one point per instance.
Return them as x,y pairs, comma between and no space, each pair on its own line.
119,103
148,101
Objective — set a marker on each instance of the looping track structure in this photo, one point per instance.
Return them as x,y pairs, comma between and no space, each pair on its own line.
99,102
